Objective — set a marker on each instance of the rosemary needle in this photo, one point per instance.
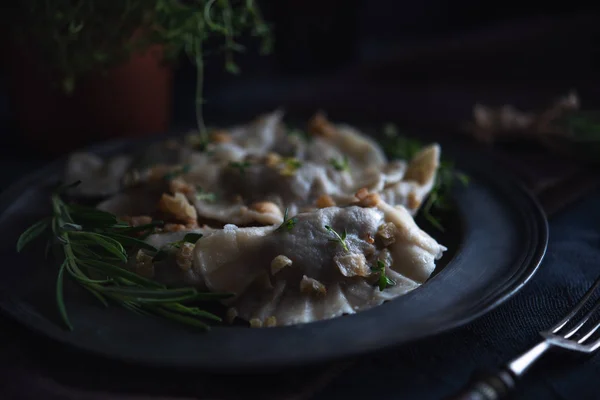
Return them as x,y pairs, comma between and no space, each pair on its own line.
95,246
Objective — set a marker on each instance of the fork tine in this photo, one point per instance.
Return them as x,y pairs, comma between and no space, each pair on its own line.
594,328
583,321
577,308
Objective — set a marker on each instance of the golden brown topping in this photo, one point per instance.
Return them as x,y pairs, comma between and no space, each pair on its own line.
361,194
231,315
256,323
178,185
352,265
423,166
266,207
279,263
184,255
320,126
178,206
312,286
325,201
369,238
143,264
387,233
413,202
272,160
220,136
271,322
366,199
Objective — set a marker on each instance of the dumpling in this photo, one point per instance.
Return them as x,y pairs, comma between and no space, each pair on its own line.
304,274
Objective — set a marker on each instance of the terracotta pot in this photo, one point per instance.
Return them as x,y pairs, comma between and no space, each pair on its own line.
132,99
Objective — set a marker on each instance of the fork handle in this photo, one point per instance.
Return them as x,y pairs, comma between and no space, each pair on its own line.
488,386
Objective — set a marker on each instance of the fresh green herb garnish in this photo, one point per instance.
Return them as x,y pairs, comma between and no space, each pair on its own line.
439,198
342,165
288,223
205,196
384,281
78,38
240,165
341,239
177,172
291,164
94,246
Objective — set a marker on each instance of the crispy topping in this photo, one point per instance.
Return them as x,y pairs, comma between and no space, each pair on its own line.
366,199
220,136
387,233
279,263
272,160
143,264
325,201
352,265
266,207
413,202
320,126
255,323
184,255
231,315
178,206
178,185
312,286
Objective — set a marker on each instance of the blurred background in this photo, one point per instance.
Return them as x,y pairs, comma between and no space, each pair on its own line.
420,64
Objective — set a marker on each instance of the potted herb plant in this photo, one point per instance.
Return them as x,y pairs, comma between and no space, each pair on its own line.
82,70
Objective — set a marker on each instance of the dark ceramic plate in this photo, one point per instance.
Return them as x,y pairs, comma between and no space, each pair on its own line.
496,237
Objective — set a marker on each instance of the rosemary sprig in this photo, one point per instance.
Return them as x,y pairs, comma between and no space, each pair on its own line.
95,246
341,239
383,281
342,165
288,223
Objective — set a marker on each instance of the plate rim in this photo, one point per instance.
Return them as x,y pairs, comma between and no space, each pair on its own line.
523,274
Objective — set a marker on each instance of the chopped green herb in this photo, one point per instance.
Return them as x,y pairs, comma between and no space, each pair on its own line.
383,281
341,239
342,165
177,172
288,223
240,165
206,196
291,164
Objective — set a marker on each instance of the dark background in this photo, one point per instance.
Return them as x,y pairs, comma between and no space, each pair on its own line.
418,63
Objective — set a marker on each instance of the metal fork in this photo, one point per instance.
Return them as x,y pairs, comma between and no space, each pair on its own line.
500,384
